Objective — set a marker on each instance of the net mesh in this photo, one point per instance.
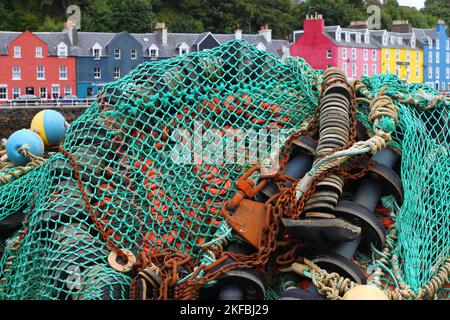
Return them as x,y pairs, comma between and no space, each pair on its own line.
150,169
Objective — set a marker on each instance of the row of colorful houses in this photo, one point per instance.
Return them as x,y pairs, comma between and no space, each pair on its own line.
51,65
414,55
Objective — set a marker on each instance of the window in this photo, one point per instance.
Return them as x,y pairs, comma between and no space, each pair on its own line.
397,55
447,45
97,72
408,55
68,91
329,54
40,73
385,40
374,69
3,92
338,34
153,53
347,37
437,43
62,50
397,71
408,72
55,91
430,57
430,72
43,92
38,52
366,54
437,56
344,68
183,51
388,70
17,52
447,73
366,69
417,72
354,70
374,55
133,54
447,57
392,40
344,53
387,54
417,56
413,42
97,54
117,54
353,53
116,73
16,93
16,73
449,86
399,40
62,73
358,38
366,36
437,73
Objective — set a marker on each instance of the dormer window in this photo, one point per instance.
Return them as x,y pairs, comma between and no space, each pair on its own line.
153,52
367,36
184,48
385,39
430,42
96,51
399,40
338,34
392,40
261,46
347,37
62,50
413,41
358,38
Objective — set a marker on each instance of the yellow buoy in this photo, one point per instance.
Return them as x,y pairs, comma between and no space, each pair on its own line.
365,292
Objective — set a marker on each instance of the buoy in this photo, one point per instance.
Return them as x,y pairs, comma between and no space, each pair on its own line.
20,138
51,126
365,292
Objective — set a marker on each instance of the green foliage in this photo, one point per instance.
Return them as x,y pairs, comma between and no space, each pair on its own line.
218,16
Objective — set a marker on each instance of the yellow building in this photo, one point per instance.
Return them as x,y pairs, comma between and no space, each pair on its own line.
401,54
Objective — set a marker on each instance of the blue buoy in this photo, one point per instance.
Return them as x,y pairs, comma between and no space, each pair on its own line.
50,125
20,138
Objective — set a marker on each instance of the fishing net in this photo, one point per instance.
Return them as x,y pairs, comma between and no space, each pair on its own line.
150,164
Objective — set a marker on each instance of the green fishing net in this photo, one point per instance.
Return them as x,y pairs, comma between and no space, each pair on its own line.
153,170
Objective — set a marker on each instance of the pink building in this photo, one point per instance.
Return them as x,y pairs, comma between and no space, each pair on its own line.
353,49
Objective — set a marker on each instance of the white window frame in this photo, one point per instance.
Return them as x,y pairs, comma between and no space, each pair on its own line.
374,69
366,69
408,55
17,52
385,40
62,72
353,53
16,73
388,68
97,51
116,69
344,68
67,92
367,37
447,57
54,91
63,50
417,72
5,87
358,37
417,56
184,48
447,73
374,55
338,34
15,94
447,45
39,52
366,55
329,53
430,73
437,73
437,56
154,48
97,73
133,54
40,73
40,92
354,70
397,55
437,43
430,56
387,55
347,36
117,54
344,53
397,71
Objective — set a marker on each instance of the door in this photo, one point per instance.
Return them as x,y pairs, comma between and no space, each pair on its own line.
29,90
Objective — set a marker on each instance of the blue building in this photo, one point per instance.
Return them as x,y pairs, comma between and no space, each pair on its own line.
102,58
436,56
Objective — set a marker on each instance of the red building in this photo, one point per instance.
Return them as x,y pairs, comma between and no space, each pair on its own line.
37,64
353,50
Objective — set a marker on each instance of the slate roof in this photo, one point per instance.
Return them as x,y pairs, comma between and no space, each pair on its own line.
5,38
330,32
87,39
406,39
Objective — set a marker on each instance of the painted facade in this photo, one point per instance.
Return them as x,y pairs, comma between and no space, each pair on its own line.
436,56
352,50
31,64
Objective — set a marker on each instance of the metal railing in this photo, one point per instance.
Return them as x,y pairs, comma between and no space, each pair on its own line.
82,103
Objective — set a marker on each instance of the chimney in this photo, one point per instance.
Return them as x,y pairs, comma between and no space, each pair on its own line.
358,25
402,26
160,28
238,33
72,32
314,23
266,32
